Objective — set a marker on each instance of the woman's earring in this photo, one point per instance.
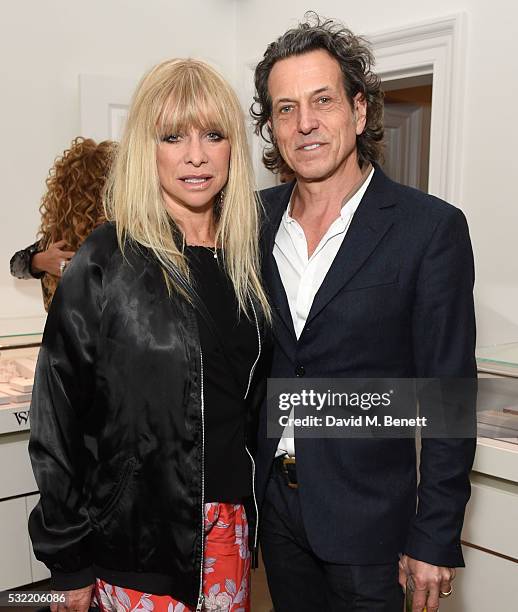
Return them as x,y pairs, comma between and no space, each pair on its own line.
221,199
218,204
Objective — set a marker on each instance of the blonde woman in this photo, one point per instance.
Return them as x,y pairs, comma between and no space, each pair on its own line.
70,209
150,369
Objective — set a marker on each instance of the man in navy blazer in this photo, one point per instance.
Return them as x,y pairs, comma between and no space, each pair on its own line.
368,279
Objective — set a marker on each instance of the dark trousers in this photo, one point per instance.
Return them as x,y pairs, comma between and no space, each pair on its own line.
299,581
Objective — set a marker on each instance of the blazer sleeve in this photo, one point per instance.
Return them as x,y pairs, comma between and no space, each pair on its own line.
63,392
444,348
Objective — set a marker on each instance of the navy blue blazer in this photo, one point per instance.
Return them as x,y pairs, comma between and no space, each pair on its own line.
397,302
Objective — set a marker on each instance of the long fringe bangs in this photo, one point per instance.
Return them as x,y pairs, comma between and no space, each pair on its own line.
196,97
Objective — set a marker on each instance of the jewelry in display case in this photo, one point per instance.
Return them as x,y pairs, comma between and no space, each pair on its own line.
18,356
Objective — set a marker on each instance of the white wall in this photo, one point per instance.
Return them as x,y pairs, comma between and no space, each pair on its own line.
490,130
44,46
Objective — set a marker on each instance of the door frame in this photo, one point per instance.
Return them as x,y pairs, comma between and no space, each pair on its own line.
103,105
434,47
437,47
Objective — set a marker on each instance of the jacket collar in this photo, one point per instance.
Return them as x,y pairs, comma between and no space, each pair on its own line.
372,220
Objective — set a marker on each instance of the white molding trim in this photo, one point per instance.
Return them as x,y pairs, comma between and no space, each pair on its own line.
404,124
436,47
416,32
103,104
432,47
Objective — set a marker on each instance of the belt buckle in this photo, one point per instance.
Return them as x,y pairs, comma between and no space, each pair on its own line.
285,462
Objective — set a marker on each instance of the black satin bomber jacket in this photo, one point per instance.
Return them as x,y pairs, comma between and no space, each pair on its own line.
117,427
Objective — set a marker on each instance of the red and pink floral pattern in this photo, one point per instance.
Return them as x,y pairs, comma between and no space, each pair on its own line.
226,570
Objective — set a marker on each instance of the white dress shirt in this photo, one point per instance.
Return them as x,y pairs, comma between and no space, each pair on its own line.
302,275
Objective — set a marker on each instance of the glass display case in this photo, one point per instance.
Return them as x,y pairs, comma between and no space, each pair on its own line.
490,534
18,355
501,359
18,489
498,392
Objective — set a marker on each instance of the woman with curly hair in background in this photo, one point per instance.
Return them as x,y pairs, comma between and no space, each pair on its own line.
70,209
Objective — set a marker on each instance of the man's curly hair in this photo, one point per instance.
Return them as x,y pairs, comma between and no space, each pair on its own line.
355,59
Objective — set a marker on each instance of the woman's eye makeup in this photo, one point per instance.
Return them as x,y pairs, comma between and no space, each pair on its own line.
212,135
215,136
171,138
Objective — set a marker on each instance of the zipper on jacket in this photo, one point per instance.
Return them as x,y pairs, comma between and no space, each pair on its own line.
201,597
254,549
258,354
255,501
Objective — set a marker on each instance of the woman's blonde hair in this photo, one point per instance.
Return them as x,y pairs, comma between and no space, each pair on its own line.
174,96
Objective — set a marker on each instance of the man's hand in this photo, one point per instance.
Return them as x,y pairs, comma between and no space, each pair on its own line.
77,600
429,581
50,260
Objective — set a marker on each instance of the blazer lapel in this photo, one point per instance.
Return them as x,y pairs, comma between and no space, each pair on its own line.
372,220
272,278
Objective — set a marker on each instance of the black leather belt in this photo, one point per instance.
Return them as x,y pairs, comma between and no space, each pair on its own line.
287,467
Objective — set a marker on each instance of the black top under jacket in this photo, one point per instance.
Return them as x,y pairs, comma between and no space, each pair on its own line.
117,426
229,344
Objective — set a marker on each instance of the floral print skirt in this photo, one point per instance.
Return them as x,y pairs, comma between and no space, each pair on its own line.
226,570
